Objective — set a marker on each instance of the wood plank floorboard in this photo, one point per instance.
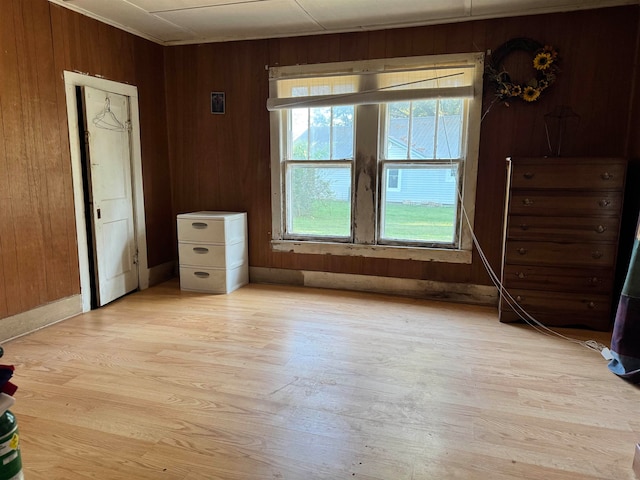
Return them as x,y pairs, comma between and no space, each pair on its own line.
276,382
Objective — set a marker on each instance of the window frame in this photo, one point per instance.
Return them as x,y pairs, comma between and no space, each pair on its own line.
368,165
287,159
438,163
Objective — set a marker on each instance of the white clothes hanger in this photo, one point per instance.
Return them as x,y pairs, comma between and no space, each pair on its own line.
107,119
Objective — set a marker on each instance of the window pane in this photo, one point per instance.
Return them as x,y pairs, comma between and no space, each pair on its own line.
424,207
319,200
342,133
397,141
393,179
321,133
319,138
302,87
449,139
423,127
299,134
436,78
300,91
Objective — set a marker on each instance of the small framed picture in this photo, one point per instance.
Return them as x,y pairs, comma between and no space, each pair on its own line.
217,103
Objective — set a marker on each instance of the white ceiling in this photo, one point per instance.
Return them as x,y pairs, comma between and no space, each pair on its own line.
173,22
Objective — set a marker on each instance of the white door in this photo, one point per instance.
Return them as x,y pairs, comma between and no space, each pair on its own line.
110,195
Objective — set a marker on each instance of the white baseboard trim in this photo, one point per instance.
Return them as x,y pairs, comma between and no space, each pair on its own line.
161,273
39,317
407,287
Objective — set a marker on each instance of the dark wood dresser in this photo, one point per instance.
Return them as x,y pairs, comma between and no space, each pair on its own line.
562,224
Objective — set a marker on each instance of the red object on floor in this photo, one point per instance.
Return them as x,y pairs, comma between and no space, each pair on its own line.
9,388
6,372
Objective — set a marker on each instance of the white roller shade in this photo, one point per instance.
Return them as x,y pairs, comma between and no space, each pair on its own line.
373,96
414,78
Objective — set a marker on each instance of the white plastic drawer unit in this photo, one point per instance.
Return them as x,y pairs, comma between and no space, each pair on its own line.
212,251
212,280
212,227
210,255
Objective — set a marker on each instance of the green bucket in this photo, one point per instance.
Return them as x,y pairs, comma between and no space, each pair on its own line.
10,460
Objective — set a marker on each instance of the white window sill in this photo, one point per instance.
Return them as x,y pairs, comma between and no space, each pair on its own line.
373,251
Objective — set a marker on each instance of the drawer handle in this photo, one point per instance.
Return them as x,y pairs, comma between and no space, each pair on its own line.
597,254
591,305
524,226
200,250
601,229
527,202
519,298
529,175
521,275
594,280
199,225
522,251
606,176
604,202
201,274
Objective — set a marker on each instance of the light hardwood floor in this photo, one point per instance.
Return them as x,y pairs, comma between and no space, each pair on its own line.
273,382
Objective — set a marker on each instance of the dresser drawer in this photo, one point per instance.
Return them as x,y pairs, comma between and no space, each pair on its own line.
212,227
529,202
569,229
213,280
556,279
561,303
594,321
560,254
573,174
212,255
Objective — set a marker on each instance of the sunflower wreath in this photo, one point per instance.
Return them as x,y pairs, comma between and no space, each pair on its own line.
545,65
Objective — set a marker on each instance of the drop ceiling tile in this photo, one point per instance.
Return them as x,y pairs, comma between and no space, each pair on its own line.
262,19
501,8
356,14
155,6
194,21
128,17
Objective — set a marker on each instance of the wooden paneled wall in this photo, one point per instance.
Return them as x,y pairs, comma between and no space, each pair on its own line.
38,41
221,162
37,230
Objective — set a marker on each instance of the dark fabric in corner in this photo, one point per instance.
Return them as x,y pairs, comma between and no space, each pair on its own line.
625,341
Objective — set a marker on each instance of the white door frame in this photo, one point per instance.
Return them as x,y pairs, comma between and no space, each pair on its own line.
71,81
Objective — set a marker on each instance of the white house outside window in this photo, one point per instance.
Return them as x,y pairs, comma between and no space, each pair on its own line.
376,158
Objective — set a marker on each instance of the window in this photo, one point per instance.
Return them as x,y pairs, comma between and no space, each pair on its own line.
393,180
376,158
